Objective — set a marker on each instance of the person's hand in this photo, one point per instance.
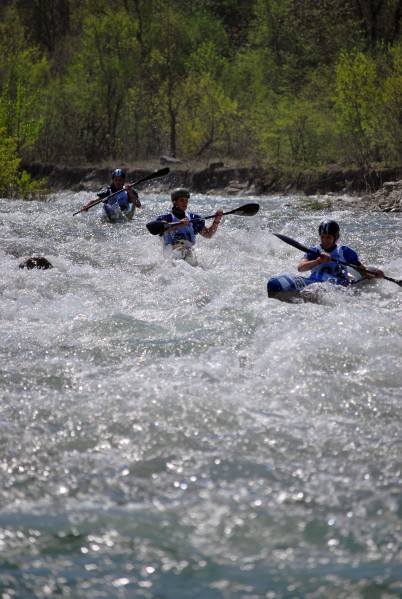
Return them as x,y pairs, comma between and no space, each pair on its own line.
184,222
323,257
218,216
372,272
131,192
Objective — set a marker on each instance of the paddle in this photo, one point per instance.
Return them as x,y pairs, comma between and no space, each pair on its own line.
161,173
157,227
305,249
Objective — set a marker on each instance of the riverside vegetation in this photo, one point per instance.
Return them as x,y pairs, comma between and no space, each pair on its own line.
283,86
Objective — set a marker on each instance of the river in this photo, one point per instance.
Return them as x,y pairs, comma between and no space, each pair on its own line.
169,432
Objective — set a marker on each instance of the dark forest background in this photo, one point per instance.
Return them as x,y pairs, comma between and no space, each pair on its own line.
284,84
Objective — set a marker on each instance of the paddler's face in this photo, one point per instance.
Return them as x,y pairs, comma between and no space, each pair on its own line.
182,203
327,241
118,182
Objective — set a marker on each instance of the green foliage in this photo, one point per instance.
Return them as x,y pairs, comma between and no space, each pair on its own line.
24,74
13,182
95,87
392,104
9,163
289,84
368,94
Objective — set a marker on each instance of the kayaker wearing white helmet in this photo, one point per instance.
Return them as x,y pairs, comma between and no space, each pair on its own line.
182,235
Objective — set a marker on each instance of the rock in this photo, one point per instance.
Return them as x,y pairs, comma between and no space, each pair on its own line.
215,165
216,179
36,262
164,160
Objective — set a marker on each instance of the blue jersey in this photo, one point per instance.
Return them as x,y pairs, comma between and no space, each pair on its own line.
182,233
330,269
122,197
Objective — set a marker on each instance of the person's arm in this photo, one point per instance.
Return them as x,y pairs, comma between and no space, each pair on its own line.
374,272
133,196
208,232
167,218
307,264
100,196
353,259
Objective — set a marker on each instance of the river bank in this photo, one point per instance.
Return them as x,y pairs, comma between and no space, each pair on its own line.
379,188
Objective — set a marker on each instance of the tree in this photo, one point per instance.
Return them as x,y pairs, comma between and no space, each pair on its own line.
45,21
358,99
103,69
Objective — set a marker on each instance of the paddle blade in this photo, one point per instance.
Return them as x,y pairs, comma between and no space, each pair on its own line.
156,227
292,242
161,173
246,210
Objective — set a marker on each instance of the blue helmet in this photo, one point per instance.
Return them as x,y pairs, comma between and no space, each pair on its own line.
118,173
329,227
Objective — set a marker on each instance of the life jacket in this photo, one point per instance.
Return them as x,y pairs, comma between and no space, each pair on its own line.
185,234
328,270
122,197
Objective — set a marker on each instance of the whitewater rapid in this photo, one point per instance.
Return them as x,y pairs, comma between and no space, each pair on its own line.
170,432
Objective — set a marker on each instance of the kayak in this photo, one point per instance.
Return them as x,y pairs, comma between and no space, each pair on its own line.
181,250
289,287
118,216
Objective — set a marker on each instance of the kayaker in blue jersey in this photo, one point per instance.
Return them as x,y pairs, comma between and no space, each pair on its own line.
121,202
181,236
323,268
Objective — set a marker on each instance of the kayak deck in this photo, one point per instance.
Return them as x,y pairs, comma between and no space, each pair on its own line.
118,216
181,251
289,287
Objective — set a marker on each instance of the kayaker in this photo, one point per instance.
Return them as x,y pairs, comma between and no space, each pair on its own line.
183,232
323,267
121,202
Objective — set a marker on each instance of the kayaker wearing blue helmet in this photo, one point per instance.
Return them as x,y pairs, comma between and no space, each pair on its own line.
323,267
121,201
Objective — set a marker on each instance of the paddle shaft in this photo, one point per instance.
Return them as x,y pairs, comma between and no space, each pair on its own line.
155,175
235,211
158,227
305,249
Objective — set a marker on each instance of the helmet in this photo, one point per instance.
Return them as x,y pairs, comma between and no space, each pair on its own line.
179,192
329,227
118,173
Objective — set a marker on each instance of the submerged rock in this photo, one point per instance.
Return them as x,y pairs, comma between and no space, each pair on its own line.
36,262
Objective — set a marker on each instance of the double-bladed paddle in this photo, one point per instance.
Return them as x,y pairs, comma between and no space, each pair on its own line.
161,173
305,249
157,227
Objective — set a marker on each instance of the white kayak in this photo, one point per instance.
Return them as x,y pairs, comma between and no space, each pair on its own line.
181,250
118,215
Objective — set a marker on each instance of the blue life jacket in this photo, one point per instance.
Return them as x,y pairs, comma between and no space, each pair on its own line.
328,270
122,198
186,234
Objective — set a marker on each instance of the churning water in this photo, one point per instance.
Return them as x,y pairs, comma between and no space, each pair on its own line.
170,432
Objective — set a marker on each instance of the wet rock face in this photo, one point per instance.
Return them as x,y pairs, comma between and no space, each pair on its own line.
386,199
217,178
36,262
389,197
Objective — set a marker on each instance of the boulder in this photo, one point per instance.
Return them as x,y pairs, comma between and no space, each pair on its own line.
36,262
